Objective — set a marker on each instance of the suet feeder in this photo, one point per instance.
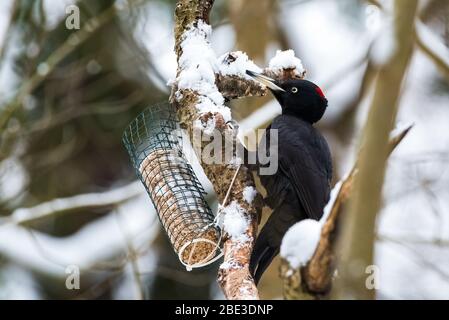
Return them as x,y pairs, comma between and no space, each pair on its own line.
154,144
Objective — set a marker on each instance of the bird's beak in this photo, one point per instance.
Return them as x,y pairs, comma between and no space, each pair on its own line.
270,83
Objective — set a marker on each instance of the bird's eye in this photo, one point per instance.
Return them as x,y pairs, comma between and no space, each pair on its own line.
294,90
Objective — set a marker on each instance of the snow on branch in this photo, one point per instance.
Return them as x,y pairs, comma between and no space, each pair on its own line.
286,60
232,80
300,242
308,248
285,65
197,68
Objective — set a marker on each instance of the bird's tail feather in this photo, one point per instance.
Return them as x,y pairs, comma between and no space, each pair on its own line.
264,261
263,253
268,242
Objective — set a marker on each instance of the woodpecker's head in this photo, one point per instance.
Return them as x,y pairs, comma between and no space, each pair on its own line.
300,98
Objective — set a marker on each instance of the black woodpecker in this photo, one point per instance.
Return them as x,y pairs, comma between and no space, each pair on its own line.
301,186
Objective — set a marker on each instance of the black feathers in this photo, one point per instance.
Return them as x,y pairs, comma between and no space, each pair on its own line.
300,188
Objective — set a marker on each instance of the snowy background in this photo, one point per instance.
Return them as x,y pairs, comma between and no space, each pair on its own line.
68,194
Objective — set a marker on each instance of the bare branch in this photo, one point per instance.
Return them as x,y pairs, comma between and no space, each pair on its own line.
429,44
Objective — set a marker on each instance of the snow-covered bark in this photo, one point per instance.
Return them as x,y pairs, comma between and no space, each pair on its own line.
200,105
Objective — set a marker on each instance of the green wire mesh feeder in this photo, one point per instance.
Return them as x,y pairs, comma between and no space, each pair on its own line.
154,144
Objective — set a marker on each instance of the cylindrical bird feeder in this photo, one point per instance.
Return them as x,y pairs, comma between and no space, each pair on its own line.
154,143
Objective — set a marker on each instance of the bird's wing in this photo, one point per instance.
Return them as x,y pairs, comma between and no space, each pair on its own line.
304,160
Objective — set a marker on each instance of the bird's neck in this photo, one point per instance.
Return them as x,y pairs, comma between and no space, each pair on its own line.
297,116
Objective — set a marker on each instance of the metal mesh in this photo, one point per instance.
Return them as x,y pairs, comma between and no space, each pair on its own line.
154,143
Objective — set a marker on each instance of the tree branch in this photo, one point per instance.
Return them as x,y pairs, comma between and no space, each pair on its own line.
430,45
190,20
